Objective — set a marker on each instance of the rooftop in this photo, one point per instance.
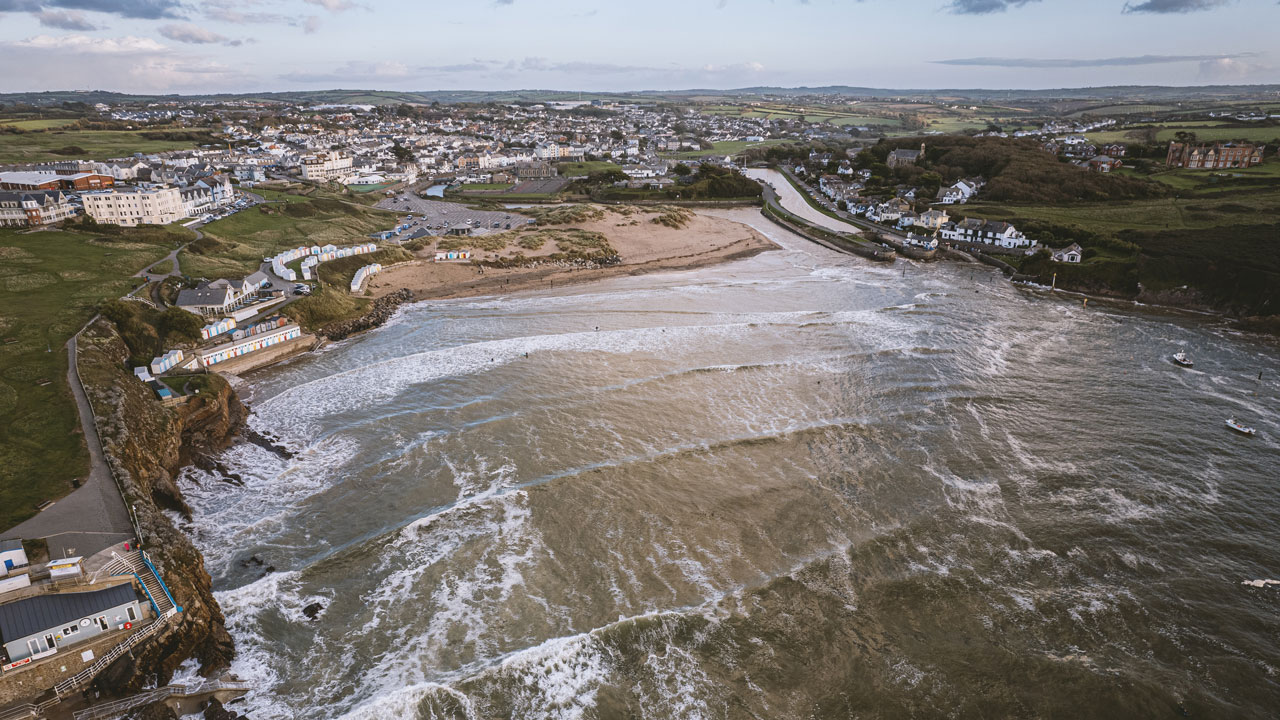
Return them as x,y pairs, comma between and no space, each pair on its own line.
33,615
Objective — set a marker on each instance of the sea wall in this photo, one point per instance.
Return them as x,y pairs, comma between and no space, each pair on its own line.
146,444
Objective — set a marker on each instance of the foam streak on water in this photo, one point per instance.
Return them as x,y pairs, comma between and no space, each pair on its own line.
798,485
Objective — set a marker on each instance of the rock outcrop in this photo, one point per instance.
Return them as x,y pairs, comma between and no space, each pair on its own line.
382,310
146,444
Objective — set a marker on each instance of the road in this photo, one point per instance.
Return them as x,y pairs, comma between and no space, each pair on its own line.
778,179
794,203
93,517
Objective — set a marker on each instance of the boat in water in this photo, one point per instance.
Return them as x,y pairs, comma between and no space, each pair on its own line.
1240,427
1182,358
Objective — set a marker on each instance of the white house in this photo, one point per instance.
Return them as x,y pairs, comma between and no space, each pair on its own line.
989,232
1070,254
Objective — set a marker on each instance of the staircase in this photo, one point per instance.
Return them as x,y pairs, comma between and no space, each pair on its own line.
136,563
221,689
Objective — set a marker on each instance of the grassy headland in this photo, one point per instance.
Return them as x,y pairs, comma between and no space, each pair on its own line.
50,284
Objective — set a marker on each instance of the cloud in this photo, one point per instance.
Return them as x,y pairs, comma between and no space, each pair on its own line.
984,7
142,9
353,71
333,5
1233,70
1173,6
124,64
65,20
1085,62
89,45
194,35
229,11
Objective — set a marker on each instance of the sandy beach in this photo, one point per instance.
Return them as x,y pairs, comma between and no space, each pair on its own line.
642,245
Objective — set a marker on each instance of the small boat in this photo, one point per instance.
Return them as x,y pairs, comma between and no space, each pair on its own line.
1240,427
1182,359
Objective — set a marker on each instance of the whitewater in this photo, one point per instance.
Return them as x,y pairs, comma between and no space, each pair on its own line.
795,485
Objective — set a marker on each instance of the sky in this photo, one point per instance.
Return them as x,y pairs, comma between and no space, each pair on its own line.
209,46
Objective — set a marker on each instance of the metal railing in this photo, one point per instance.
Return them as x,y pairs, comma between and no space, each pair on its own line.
119,707
28,711
173,604
84,676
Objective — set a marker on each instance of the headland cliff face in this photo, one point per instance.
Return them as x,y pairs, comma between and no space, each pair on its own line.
146,443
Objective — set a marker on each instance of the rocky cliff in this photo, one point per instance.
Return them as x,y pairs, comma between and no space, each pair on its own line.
146,444
382,310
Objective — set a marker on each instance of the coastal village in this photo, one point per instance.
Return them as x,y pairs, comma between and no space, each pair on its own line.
73,602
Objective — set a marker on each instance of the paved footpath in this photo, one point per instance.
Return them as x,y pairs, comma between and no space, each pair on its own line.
93,516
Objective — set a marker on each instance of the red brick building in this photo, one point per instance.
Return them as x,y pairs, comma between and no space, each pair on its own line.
50,181
1219,156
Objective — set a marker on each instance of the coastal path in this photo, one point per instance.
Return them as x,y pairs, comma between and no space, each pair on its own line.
93,517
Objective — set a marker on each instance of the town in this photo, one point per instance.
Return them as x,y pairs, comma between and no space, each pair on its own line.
341,193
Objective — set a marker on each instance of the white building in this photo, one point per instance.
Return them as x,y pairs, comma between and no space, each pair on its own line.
327,166
1069,254
130,206
993,232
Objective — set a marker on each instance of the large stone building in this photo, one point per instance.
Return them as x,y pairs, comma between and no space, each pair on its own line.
130,206
899,158
1213,157
327,166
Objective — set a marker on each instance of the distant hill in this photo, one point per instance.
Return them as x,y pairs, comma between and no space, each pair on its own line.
1128,93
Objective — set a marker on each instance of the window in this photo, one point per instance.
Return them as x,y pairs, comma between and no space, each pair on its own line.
132,615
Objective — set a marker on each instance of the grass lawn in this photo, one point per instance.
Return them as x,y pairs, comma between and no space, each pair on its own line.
243,239
96,145
485,186
571,169
369,188
49,284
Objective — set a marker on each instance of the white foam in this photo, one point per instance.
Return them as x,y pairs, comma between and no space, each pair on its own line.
1260,583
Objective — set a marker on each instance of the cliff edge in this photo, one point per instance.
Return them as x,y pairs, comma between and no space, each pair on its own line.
146,443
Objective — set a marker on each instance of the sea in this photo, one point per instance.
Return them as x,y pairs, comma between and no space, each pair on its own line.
799,485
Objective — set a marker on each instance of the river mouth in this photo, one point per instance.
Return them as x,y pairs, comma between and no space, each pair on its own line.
796,485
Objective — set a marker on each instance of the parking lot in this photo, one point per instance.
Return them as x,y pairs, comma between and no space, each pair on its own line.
438,216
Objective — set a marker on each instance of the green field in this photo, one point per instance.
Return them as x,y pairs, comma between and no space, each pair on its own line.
1206,199
572,169
1256,134
236,245
38,123
50,282
369,188
485,186
96,144
1124,110
727,147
